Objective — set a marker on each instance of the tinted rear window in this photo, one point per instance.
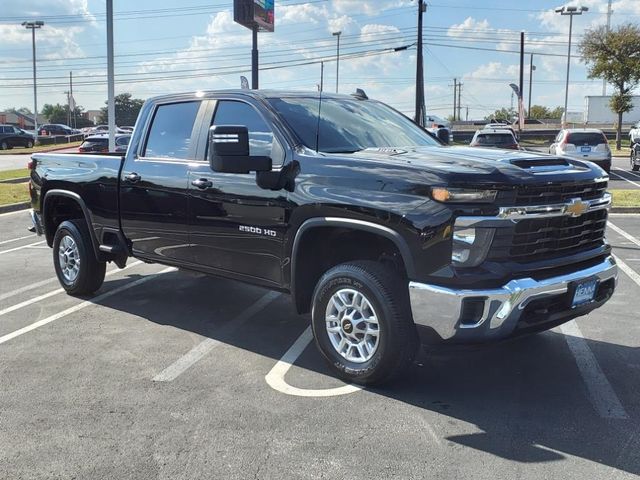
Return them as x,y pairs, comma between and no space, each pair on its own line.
495,139
170,132
584,138
95,141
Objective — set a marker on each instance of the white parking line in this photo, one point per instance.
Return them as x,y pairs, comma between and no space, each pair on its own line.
601,393
199,351
630,272
24,210
20,248
621,177
275,377
80,306
626,235
16,239
17,306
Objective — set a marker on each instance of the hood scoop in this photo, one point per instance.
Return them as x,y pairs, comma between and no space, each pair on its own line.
539,164
385,150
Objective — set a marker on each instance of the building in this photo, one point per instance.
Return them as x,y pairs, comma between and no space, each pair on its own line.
20,120
92,115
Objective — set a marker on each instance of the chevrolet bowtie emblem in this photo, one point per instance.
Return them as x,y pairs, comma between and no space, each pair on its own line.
576,207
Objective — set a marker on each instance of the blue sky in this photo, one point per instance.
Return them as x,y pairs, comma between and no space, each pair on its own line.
164,47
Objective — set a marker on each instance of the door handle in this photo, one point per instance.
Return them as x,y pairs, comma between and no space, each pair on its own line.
133,177
202,183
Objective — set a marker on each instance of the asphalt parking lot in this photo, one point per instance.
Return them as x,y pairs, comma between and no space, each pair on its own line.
168,375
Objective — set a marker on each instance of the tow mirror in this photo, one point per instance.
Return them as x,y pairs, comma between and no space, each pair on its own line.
229,151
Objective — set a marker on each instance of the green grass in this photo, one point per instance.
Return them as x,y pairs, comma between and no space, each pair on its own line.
19,173
13,193
39,148
624,144
626,198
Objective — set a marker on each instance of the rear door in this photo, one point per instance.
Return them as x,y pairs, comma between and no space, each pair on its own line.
236,226
154,184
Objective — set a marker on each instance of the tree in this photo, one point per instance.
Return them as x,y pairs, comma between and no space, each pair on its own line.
21,110
614,56
556,113
539,111
127,110
503,114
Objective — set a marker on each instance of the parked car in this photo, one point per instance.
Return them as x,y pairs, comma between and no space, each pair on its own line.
387,237
11,136
98,129
55,129
501,126
100,143
634,134
495,138
583,144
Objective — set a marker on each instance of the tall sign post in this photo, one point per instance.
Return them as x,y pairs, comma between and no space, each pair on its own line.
257,16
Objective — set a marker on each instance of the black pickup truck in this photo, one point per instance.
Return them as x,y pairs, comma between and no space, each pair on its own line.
389,238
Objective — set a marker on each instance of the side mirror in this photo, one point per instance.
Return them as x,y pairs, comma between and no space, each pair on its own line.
229,151
443,135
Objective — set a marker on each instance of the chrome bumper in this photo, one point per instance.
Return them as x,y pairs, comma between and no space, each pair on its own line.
498,310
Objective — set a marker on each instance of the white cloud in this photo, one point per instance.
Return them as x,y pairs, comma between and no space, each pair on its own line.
469,25
352,7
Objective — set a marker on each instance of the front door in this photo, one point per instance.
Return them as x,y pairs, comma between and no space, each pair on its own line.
237,227
154,185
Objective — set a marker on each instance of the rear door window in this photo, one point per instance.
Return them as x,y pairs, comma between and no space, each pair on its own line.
171,131
240,113
586,138
495,139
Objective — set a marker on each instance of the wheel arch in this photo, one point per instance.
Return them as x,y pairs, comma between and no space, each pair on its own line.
302,284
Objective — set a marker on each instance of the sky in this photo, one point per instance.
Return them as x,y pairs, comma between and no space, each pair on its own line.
167,46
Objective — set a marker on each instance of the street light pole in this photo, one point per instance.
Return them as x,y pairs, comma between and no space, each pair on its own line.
571,11
33,26
337,35
111,103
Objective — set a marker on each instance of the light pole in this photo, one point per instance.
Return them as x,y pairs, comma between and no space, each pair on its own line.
33,26
532,68
337,35
571,11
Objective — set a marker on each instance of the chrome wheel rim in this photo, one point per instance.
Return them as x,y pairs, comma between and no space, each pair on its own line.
69,258
352,325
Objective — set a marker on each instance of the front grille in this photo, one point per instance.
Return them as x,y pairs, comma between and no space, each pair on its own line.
538,239
550,194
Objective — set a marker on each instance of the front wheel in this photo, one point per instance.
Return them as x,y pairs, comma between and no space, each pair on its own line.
362,322
77,268
29,144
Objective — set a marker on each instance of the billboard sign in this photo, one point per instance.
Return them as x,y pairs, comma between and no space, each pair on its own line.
252,14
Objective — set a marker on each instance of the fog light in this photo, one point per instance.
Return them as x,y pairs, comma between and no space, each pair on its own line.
470,245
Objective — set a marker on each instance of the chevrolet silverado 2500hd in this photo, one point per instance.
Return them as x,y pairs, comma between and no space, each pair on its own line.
388,237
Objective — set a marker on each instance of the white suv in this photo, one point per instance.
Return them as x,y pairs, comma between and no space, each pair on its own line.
583,144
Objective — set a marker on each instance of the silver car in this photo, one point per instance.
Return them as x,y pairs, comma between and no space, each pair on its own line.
583,144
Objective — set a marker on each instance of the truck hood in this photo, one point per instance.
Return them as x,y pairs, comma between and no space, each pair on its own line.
480,166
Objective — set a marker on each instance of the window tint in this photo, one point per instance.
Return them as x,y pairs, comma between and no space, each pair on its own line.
170,132
239,113
495,139
123,141
585,138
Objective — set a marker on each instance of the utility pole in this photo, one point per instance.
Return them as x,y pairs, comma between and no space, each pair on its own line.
455,97
532,67
254,58
459,100
68,108
337,34
521,85
73,100
609,12
467,116
111,100
33,26
420,107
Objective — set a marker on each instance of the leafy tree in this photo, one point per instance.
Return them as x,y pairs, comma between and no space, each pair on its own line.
127,110
22,110
503,114
556,113
60,114
614,56
539,111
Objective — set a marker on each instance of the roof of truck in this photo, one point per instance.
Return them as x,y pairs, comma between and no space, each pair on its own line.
261,94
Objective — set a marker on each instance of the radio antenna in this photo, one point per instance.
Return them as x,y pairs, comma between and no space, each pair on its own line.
319,106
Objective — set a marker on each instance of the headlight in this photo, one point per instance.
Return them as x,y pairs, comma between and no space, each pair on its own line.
463,195
470,245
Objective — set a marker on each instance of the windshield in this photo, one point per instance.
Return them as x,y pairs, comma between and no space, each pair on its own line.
349,125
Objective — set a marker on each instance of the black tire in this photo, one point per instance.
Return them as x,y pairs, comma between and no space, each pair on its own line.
4,146
634,159
29,144
388,294
90,274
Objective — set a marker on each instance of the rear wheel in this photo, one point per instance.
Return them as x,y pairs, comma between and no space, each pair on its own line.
4,146
30,144
362,322
634,159
77,268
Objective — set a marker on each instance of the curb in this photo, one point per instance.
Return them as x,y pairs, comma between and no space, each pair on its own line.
13,207
625,210
61,147
15,180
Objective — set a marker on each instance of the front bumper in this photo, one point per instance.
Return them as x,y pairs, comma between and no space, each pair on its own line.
470,316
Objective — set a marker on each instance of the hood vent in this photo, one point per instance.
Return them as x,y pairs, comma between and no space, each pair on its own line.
540,163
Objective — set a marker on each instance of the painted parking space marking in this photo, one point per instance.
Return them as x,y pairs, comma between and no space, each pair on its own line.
14,212
601,393
21,247
16,239
626,235
622,177
276,376
80,306
20,305
198,352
